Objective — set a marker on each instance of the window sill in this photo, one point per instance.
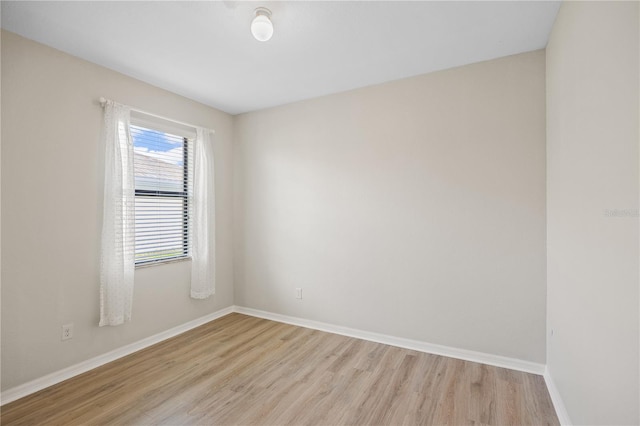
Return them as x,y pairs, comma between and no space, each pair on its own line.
162,262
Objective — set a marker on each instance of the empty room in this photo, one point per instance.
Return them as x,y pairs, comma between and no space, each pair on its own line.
320,212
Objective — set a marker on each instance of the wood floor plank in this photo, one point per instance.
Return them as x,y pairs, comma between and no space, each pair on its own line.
249,371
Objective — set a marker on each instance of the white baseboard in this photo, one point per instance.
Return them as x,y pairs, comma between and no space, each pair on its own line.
51,379
558,403
467,355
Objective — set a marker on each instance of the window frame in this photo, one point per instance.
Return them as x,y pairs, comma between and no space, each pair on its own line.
185,195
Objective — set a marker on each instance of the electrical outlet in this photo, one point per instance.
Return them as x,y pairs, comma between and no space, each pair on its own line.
67,331
298,293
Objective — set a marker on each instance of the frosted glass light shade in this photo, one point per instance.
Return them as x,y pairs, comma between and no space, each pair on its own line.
261,26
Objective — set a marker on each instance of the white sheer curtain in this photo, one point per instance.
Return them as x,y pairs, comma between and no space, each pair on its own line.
117,263
202,226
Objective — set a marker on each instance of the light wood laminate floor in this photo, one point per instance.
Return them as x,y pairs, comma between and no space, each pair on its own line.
244,370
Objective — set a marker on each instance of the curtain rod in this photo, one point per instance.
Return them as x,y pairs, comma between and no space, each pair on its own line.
104,100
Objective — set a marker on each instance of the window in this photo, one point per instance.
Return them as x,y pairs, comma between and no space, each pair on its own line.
162,165
157,206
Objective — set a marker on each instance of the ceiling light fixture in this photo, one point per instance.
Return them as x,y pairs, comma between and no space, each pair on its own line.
261,26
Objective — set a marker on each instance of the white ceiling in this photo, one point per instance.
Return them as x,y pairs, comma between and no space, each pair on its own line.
205,51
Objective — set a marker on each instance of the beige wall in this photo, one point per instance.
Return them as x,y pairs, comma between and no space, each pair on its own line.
592,167
415,208
52,176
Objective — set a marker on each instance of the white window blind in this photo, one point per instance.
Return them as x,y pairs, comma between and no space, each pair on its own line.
163,170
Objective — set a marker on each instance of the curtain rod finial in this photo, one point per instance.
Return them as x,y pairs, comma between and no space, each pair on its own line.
102,101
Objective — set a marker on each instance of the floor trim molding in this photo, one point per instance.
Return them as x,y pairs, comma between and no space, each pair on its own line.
558,403
43,382
38,384
464,354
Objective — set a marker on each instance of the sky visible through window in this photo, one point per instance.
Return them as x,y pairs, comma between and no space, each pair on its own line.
159,160
163,146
